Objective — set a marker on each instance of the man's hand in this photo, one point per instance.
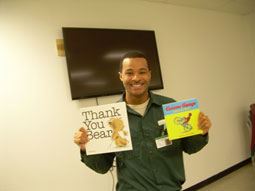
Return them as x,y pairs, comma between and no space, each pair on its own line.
204,123
81,138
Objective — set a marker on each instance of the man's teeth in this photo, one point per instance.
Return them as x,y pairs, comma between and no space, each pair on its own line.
137,85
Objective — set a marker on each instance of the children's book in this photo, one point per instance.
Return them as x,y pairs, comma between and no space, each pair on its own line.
181,119
107,127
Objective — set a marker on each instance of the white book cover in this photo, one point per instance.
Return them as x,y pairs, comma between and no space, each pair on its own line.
107,127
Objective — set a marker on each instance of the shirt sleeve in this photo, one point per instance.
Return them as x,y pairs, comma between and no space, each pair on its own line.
100,163
195,143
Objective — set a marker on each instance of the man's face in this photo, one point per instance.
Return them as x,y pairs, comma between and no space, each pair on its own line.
135,76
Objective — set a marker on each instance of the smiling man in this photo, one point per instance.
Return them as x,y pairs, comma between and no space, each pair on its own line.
135,76
146,167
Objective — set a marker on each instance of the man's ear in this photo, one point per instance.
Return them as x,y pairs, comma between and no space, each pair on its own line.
120,75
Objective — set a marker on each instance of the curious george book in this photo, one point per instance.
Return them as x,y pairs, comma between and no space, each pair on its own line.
181,118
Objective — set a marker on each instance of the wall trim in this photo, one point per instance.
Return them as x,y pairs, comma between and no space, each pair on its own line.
219,175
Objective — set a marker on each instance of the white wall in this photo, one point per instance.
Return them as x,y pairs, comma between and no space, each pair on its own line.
203,54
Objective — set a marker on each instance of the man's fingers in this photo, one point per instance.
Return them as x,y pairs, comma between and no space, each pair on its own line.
204,123
82,130
78,134
80,140
202,119
81,136
77,141
84,139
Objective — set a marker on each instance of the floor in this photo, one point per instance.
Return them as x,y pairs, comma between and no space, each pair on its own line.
242,179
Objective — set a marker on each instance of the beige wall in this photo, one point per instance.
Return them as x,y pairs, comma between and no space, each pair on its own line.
252,16
203,54
253,52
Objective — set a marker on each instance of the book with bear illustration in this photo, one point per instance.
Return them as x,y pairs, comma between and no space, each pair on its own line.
181,119
107,127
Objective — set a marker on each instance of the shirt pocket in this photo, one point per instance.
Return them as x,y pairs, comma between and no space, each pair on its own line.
173,149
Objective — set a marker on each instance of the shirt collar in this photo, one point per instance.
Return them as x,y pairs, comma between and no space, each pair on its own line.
153,99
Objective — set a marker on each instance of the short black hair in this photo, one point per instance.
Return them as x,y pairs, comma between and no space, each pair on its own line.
133,54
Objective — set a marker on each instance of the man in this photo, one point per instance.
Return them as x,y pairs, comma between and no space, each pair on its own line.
145,168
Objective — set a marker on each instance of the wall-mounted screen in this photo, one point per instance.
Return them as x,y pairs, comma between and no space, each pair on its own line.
93,58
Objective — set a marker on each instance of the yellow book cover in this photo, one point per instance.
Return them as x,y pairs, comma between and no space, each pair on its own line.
181,119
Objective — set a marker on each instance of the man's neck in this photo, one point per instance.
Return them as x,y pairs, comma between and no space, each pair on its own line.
136,100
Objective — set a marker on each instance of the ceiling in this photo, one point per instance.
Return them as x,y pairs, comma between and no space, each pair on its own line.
242,7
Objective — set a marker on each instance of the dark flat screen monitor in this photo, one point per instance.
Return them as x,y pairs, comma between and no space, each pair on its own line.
93,59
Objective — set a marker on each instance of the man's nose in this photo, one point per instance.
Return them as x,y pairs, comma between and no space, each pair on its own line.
136,77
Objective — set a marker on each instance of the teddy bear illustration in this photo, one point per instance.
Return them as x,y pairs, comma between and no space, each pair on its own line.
117,125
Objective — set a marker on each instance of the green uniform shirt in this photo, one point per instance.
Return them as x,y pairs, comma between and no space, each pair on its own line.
147,168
